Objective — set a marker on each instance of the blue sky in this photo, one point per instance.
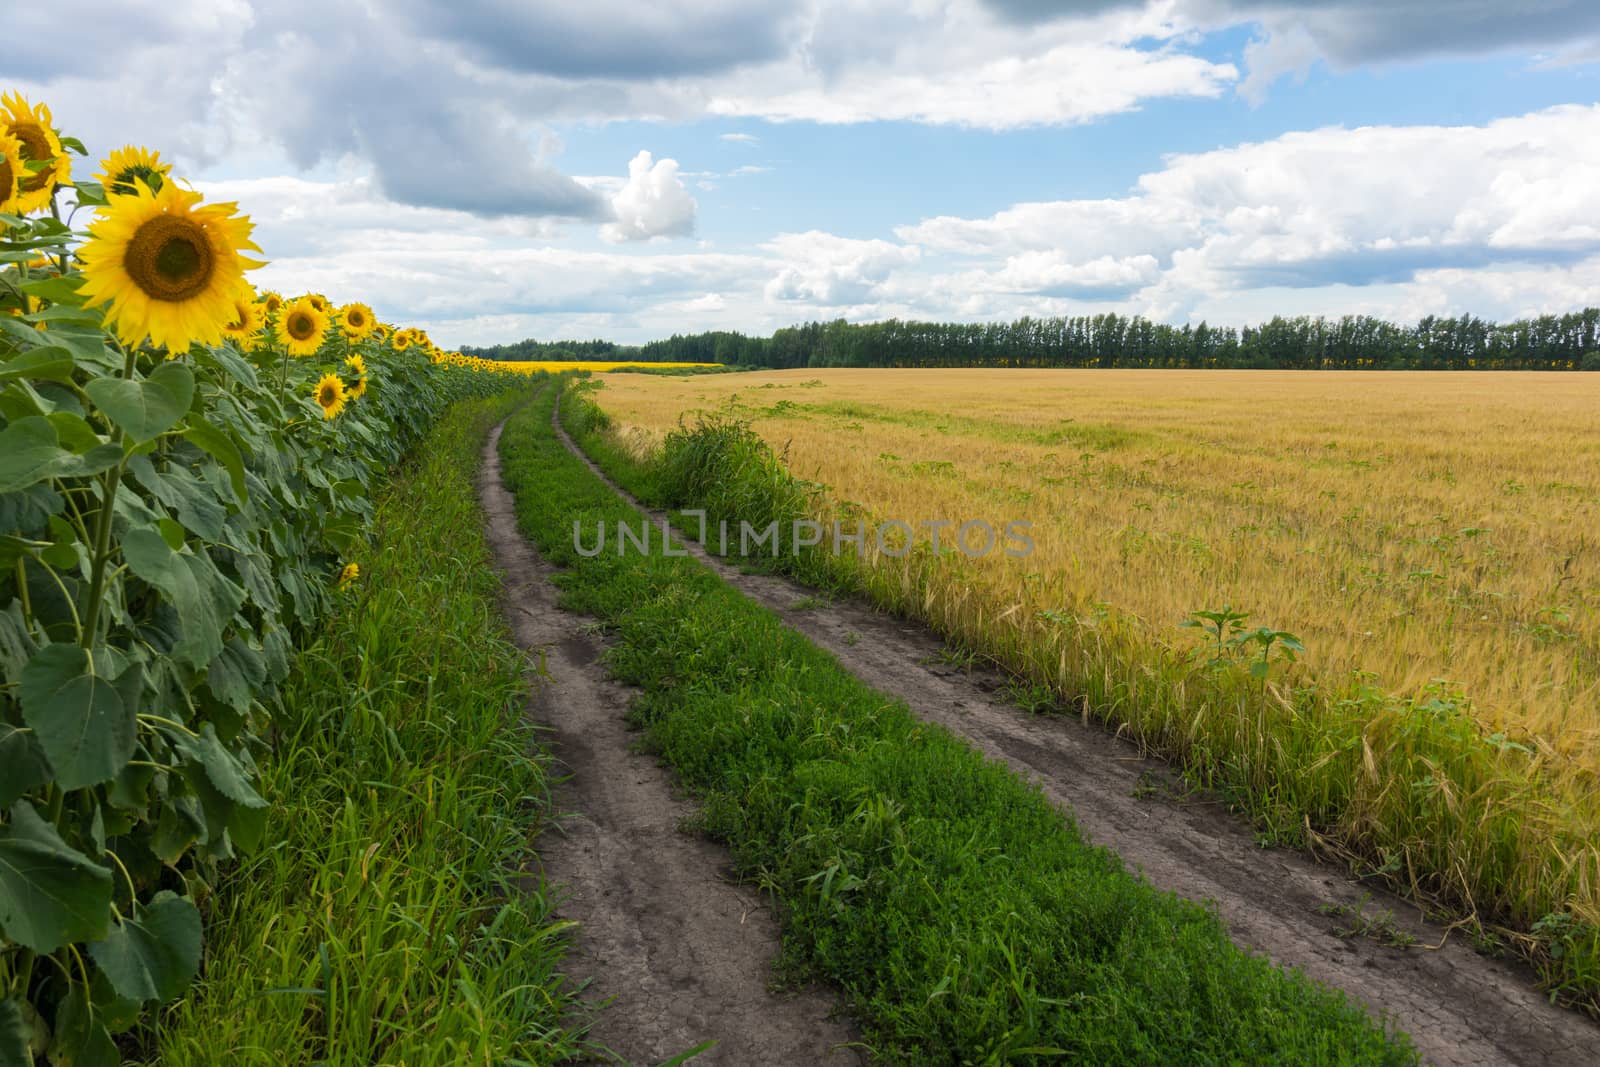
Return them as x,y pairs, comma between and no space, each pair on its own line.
580,168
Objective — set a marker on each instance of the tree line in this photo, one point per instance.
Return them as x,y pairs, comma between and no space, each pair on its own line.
1354,342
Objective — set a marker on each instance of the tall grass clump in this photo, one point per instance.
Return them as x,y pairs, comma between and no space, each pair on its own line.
384,918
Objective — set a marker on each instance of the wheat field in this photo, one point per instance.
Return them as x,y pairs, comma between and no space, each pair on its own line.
1430,538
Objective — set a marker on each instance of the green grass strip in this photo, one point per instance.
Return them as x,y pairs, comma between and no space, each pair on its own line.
966,919
381,920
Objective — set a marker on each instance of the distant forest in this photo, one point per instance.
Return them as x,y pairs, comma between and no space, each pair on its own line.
1549,342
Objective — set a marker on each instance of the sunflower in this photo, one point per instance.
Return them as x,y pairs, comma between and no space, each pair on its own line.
247,317
331,395
402,339
129,164
350,573
271,301
31,125
12,170
301,326
358,367
169,267
320,302
356,321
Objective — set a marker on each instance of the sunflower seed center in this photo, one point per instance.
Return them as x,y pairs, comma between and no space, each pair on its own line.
170,259
35,147
301,327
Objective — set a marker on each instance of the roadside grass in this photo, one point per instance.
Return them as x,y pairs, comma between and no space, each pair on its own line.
965,919
385,918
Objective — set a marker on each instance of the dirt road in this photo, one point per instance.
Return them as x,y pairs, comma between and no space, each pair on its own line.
1460,1007
684,951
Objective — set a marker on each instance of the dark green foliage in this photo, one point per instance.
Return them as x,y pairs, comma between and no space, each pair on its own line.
1354,342
169,529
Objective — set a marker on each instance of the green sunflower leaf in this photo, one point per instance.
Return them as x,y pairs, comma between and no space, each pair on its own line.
23,765
63,290
79,718
202,434
30,453
149,408
153,955
204,599
52,363
50,893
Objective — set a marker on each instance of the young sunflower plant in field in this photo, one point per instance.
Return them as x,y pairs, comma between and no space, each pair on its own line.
178,503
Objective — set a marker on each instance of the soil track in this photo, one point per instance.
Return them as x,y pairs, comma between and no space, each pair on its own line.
1461,1008
686,953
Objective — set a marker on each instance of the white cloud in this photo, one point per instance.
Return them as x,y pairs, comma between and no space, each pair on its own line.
1361,206
652,203
739,138
823,269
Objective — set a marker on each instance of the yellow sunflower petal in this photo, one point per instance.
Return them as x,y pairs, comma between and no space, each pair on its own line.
129,164
301,327
330,395
168,266
32,126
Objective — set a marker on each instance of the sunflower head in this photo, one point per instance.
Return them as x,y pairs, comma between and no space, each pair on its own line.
247,318
358,367
320,302
348,574
168,266
129,164
356,321
32,128
271,301
403,339
301,327
331,395
13,169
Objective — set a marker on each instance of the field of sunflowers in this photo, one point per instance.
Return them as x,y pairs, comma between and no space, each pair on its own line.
187,467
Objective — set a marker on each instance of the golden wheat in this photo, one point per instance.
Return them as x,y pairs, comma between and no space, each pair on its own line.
1431,536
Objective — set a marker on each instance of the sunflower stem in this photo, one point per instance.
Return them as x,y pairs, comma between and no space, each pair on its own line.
22,594
283,377
55,210
102,534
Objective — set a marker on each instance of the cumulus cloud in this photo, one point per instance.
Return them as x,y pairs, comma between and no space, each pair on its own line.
652,203
434,267
828,270
1313,209
957,64
1295,34
611,38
